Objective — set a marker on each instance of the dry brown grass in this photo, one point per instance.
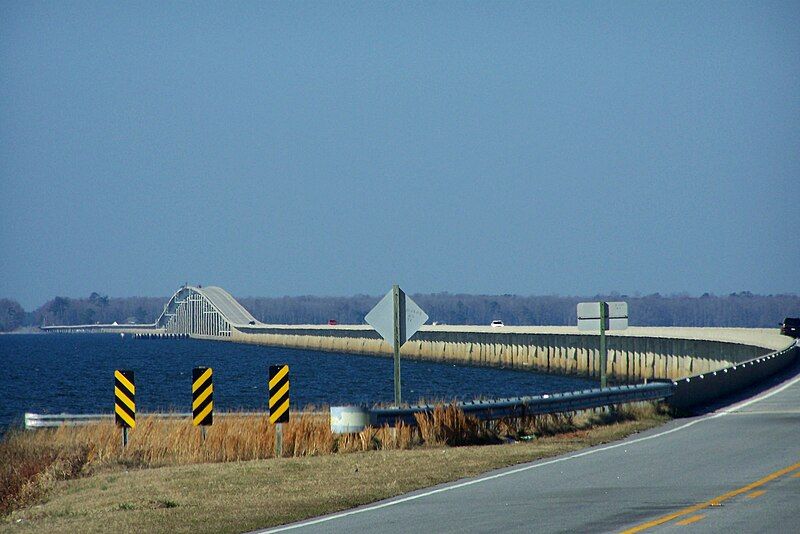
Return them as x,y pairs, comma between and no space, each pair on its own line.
448,425
30,462
28,468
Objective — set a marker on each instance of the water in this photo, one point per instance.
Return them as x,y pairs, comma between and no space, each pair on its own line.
74,373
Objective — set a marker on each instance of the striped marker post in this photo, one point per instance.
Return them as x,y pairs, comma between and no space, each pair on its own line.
124,402
202,398
278,402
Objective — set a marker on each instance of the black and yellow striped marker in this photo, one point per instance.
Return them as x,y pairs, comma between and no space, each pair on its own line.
278,394
124,399
202,397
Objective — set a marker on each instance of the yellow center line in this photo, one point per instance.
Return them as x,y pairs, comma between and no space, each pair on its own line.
713,502
796,475
690,520
754,494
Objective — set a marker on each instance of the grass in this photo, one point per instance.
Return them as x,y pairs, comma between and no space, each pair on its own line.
29,468
232,483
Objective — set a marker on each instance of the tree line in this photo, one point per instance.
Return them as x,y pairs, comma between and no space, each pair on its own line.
735,310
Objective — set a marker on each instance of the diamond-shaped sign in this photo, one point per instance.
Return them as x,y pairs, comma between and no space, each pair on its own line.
381,317
415,318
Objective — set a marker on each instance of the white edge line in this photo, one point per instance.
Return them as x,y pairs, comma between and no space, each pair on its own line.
757,399
529,467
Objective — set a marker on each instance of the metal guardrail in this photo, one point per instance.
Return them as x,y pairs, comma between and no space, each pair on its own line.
540,404
35,420
484,410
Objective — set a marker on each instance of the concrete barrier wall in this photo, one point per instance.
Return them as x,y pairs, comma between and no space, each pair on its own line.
703,388
630,358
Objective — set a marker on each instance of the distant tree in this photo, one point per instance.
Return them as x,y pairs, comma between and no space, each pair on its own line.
87,315
140,315
12,316
59,307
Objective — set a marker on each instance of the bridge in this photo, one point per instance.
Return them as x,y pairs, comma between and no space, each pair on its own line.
704,361
203,312
195,311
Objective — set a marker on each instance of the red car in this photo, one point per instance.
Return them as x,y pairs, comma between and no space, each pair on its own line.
333,322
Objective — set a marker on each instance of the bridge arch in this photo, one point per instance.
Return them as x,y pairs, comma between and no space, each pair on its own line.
203,311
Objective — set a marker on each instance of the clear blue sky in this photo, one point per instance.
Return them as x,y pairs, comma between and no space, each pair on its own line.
332,149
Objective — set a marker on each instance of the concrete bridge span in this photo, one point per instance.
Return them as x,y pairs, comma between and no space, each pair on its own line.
636,354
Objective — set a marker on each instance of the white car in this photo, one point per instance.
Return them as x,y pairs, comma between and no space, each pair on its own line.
497,323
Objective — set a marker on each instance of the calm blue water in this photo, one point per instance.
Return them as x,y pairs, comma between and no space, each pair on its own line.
74,373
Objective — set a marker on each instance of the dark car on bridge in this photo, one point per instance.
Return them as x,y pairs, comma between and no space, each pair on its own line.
791,327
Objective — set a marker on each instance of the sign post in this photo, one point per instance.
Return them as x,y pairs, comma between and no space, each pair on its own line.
603,351
602,316
396,318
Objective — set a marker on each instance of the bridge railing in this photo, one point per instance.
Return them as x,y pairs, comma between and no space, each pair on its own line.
707,387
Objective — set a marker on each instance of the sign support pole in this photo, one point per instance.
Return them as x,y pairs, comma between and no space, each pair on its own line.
397,342
603,352
278,440
124,436
611,316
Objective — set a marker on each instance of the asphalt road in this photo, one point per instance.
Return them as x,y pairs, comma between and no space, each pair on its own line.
735,469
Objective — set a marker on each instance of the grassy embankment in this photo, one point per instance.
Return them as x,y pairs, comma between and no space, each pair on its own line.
79,479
